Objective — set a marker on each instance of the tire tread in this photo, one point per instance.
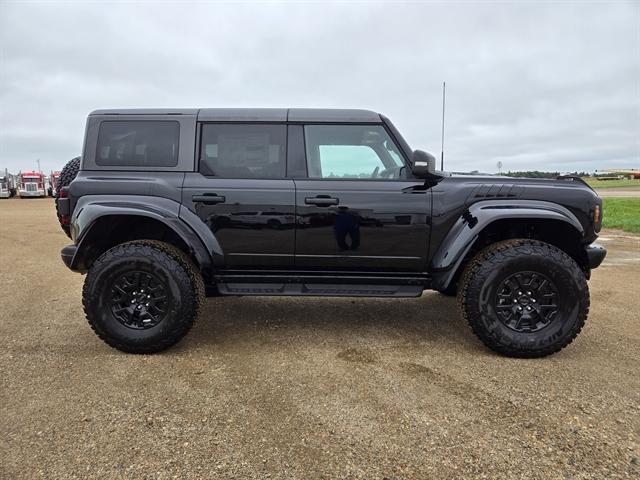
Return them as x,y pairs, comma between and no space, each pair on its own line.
68,173
491,258
182,265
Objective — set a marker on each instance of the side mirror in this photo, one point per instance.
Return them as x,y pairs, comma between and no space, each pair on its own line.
423,164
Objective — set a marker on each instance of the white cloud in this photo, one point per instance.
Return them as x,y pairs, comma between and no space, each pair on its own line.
554,86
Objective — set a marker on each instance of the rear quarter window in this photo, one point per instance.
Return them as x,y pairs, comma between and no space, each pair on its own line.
243,150
138,144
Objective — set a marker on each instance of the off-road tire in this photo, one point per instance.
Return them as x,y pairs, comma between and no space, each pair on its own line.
184,290
67,175
490,267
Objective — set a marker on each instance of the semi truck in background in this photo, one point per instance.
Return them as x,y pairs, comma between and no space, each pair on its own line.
4,188
54,180
31,184
7,185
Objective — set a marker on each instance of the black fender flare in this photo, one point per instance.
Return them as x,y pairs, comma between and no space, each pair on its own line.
90,208
476,218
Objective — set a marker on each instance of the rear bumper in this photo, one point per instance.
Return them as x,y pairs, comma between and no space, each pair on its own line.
67,254
595,254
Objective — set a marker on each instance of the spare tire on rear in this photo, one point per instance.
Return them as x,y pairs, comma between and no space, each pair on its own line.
67,175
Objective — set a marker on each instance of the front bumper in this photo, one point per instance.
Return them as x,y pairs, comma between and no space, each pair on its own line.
595,254
24,193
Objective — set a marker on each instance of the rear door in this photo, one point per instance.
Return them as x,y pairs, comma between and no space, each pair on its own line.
358,208
241,193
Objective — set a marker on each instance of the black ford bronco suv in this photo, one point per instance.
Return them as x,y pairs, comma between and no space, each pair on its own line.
169,206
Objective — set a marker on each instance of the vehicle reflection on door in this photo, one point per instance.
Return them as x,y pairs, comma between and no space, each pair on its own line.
252,234
254,217
379,235
347,222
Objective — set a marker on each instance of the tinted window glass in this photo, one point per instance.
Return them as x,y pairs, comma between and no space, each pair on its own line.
243,151
138,144
352,152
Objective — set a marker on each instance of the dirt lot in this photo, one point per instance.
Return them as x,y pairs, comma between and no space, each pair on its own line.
307,388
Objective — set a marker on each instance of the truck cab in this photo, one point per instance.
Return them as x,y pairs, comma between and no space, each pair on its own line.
31,184
54,180
6,186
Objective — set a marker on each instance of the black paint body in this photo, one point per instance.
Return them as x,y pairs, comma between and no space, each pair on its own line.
410,232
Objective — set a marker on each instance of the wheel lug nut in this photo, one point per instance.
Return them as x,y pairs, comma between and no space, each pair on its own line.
528,308
146,304
528,293
533,300
515,301
133,301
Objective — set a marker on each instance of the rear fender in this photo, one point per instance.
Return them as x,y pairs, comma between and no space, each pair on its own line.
465,231
204,247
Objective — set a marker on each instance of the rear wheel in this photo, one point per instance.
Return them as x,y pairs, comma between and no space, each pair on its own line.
524,298
142,296
67,175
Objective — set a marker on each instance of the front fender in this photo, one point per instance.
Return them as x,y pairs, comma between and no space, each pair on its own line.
476,218
90,208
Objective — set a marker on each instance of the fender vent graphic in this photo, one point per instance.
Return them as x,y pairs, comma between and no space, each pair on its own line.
507,190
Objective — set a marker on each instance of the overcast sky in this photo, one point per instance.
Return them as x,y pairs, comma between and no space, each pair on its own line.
549,86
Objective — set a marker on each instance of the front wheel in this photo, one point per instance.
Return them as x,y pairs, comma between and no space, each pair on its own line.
142,296
524,298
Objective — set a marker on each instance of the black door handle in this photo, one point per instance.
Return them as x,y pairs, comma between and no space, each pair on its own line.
321,201
208,199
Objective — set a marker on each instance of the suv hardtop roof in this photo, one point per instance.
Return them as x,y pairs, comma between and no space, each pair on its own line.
328,115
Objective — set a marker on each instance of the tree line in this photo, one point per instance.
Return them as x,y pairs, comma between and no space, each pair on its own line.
539,174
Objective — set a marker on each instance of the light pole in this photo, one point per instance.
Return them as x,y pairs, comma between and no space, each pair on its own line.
444,85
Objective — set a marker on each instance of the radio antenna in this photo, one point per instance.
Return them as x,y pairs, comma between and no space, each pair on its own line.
444,85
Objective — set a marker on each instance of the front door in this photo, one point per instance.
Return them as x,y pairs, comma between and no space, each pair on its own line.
240,192
357,209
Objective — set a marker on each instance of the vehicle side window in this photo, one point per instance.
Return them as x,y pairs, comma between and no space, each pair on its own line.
243,151
352,152
138,144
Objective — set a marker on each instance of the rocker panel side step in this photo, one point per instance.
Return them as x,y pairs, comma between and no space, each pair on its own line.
320,289
326,277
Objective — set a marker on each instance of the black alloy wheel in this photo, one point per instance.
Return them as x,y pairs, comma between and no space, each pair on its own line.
526,301
139,300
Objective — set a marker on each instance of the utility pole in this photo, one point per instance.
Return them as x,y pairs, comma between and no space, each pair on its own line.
444,85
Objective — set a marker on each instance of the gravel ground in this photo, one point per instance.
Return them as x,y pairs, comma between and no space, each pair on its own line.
307,387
